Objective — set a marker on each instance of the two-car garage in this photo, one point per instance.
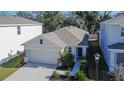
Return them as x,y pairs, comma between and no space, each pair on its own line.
47,56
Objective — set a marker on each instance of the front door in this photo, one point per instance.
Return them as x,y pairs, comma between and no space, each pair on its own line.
79,52
120,58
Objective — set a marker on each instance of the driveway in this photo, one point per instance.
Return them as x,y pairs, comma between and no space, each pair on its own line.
32,72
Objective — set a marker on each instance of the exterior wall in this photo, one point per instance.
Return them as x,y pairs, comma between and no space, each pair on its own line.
104,39
109,34
113,57
35,44
115,34
47,52
11,41
84,50
75,52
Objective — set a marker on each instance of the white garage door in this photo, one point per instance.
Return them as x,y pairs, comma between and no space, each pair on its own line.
43,56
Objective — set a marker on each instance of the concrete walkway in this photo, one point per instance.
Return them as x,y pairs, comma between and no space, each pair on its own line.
32,72
76,67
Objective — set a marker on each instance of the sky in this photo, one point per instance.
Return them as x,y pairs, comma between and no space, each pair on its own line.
14,12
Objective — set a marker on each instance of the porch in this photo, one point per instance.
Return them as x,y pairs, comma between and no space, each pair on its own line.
78,51
116,54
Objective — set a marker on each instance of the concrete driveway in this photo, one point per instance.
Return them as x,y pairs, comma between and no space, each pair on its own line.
32,72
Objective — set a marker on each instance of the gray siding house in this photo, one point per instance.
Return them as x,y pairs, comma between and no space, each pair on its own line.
45,48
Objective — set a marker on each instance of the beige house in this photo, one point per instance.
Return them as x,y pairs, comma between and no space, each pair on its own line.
45,48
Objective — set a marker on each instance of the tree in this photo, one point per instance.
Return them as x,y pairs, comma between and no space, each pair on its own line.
52,20
104,16
68,58
25,14
89,19
73,20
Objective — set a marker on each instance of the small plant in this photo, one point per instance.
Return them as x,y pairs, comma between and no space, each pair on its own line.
68,73
55,74
119,70
81,75
83,64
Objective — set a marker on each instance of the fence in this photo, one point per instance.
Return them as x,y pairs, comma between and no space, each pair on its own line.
8,58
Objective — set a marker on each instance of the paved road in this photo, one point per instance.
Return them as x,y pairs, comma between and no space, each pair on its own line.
32,72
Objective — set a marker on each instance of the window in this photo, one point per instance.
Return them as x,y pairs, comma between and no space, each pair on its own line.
122,31
69,49
18,30
41,41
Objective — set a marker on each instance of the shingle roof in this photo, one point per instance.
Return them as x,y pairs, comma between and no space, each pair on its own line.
52,37
116,46
67,36
115,20
16,20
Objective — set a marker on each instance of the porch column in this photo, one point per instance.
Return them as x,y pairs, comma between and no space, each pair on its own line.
84,50
74,53
111,61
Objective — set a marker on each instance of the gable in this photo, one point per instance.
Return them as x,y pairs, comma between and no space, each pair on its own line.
36,42
66,36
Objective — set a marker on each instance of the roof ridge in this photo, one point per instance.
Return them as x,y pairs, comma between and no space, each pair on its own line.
56,36
71,33
60,38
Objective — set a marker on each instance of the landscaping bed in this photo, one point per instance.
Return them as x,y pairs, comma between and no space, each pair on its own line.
10,67
103,71
63,78
80,75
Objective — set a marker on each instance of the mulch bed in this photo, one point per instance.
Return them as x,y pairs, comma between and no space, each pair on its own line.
62,68
63,78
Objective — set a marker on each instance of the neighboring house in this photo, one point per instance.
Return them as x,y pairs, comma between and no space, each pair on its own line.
112,40
45,48
14,31
93,37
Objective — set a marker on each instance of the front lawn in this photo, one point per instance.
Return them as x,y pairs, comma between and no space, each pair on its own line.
9,67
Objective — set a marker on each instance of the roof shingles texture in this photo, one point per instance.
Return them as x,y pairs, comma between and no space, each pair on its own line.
115,20
68,36
11,19
116,46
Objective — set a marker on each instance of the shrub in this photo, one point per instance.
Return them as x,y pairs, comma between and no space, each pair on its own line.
83,64
68,73
55,74
68,59
80,75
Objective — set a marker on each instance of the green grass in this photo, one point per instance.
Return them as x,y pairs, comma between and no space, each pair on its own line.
9,67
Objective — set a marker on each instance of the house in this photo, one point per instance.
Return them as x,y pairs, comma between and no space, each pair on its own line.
14,31
45,48
112,41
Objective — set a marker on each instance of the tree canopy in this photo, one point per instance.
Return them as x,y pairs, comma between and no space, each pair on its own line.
52,20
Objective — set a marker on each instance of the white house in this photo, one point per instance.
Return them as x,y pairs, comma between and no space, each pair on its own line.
45,48
112,40
14,31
